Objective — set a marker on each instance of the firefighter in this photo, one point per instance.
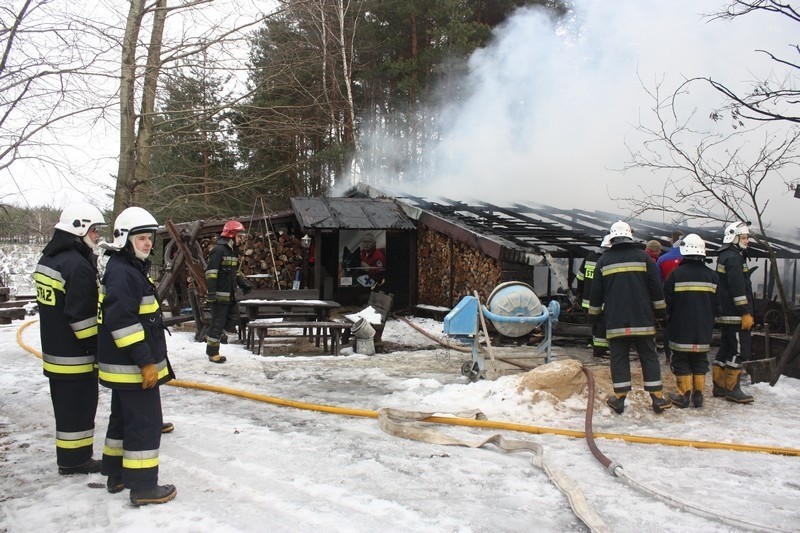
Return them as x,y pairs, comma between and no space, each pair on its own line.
627,289
132,352
66,292
736,320
222,278
584,290
691,295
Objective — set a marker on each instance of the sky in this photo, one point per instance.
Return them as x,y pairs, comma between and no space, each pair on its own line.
242,465
552,108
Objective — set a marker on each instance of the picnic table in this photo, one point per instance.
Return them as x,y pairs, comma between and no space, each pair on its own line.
309,315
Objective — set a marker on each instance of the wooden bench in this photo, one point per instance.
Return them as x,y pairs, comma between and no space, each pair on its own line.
267,311
318,330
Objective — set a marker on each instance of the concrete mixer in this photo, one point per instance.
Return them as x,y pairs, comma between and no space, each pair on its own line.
513,309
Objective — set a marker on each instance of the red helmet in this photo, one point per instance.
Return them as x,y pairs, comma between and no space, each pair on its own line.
231,228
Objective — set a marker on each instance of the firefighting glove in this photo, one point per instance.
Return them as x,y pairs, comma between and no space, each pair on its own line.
149,376
247,287
747,321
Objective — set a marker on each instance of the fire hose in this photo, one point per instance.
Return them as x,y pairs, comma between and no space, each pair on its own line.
389,418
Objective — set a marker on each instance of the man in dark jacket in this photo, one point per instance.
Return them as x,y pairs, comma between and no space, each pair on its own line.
736,319
691,295
66,292
132,354
222,279
627,289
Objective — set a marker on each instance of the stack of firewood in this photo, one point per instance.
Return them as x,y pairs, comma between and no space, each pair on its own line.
445,263
267,255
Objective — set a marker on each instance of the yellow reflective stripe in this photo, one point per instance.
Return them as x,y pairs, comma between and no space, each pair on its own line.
690,286
212,274
119,377
73,444
139,463
127,340
86,333
720,268
740,300
115,451
49,280
140,459
67,369
619,268
146,309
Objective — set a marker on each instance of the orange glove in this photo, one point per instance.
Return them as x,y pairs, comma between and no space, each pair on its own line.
149,376
747,321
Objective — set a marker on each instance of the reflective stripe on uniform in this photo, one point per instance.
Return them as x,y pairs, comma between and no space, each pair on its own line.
68,365
148,305
732,320
126,374
630,332
695,286
140,459
620,268
693,348
74,439
113,447
212,273
84,329
129,335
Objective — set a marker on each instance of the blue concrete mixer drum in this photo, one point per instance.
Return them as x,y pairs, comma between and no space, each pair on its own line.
514,299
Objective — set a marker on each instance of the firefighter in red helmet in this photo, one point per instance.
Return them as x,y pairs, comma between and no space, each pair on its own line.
222,278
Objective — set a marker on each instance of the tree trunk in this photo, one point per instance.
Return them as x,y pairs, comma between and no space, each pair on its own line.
127,111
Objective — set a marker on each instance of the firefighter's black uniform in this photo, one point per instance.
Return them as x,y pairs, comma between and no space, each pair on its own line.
736,300
130,336
66,292
691,296
222,279
585,277
627,289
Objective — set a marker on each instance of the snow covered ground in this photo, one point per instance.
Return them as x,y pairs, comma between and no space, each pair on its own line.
245,465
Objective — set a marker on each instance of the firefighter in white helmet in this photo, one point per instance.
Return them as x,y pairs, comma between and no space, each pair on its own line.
627,290
736,318
66,292
691,295
132,354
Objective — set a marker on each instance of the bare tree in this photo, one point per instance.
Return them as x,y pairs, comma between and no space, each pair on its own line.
712,176
52,61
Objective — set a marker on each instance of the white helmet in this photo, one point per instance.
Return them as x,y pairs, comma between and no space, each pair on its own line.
620,232
733,230
77,219
131,221
693,244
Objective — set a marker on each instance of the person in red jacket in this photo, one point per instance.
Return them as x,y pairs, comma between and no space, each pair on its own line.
373,259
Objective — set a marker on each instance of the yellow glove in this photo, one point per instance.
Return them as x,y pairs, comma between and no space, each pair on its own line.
149,376
747,321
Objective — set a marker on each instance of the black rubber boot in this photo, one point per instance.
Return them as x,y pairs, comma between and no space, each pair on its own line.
158,494
616,403
698,386
660,402
114,484
92,466
683,397
733,391
167,427
718,376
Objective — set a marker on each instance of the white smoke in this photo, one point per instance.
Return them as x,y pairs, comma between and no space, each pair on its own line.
551,105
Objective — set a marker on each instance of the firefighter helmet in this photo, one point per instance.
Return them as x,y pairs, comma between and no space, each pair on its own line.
733,230
606,242
131,221
78,219
620,232
693,244
231,228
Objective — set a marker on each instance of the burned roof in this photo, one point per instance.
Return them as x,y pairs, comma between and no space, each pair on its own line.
350,213
510,232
